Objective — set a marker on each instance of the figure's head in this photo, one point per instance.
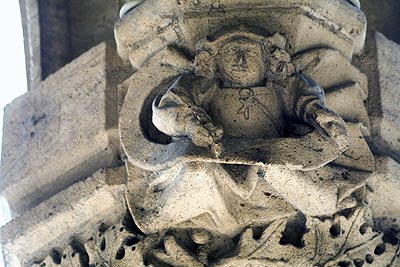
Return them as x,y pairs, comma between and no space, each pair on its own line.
241,58
241,62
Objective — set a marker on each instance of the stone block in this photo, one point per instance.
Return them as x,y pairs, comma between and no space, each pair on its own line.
62,131
385,197
72,215
381,62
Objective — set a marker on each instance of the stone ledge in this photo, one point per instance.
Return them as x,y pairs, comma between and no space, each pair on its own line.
71,215
381,62
63,131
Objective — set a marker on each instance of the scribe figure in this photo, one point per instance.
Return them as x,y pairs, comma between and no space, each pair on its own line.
244,86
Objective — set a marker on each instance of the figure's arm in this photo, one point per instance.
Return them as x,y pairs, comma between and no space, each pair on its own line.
310,108
175,113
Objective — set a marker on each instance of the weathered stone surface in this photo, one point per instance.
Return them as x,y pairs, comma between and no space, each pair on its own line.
243,133
223,168
348,102
294,241
331,69
358,155
71,216
385,197
382,63
307,24
63,131
70,257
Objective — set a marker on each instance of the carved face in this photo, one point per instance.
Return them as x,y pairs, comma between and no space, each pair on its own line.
240,63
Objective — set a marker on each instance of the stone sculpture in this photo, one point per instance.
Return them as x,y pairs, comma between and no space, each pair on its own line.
248,85
242,87
229,136
243,130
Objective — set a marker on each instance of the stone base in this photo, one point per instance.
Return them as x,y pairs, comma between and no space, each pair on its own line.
69,217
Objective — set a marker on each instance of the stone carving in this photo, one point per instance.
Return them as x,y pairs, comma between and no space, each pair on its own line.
241,147
242,86
242,130
235,157
69,257
342,240
226,141
246,87
114,246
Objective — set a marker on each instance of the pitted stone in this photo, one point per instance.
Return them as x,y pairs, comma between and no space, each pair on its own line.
385,198
72,215
243,134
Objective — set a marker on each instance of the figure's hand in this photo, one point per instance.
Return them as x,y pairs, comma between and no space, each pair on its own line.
329,124
175,115
204,133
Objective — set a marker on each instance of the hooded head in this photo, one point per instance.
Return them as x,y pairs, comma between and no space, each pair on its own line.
242,58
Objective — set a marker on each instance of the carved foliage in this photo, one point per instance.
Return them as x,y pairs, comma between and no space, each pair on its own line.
344,240
338,241
115,246
71,256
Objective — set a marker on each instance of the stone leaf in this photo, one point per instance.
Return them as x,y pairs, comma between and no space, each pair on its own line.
115,246
70,257
338,241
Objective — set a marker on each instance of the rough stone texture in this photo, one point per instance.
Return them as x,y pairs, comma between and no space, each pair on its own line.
335,24
70,216
385,197
330,69
212,165
381,62
348,101
242,130
63,131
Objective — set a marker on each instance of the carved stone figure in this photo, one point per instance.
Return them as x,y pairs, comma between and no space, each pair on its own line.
249,120
244,88
243,130
235,139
